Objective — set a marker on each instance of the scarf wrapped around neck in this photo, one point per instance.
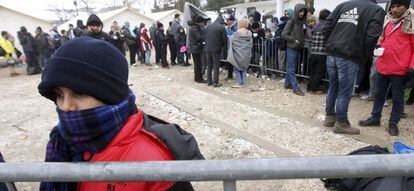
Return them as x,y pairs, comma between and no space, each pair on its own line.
83,131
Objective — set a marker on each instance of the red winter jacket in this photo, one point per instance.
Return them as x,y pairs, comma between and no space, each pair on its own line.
132,143
398,51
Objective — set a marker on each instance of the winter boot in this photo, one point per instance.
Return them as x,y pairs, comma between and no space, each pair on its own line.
329,121
345,128
393,130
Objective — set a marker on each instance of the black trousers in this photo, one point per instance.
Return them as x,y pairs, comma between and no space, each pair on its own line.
229,70
173,51
317,70
132,53
213,65
198,67
157,54
163,55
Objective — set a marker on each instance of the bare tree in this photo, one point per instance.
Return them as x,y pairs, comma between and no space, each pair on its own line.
61,12
87,5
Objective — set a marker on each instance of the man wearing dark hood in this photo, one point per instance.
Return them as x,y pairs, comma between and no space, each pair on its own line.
215,40
295,37
94,27
29,47
352,30
80,28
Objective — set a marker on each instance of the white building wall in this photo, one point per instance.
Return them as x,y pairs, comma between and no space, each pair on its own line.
133,19
11,22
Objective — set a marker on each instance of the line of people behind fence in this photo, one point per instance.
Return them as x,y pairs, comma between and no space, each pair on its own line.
341,44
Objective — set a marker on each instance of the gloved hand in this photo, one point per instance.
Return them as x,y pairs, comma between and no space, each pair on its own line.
410,82
410,73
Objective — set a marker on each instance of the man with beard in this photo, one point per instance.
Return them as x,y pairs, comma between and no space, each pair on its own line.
394,64
94,27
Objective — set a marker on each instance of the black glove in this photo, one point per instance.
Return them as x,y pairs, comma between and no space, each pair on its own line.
410,73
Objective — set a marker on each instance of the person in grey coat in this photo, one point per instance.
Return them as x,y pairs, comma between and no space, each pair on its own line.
295,37
175,26
215,40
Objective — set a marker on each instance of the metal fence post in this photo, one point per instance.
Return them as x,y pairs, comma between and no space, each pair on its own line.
229,185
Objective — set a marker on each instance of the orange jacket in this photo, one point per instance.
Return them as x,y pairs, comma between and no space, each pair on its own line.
132,143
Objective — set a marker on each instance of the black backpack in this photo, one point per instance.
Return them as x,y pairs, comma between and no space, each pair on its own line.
370,184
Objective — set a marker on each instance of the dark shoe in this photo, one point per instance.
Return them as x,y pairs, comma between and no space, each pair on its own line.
369,123
186,64
202,81
329,121
404,116
298,92
173,64
345,128
318,92
166,67
217,85
393,130
287,87
209,84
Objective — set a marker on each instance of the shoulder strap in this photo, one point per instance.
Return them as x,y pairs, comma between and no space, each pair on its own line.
182,144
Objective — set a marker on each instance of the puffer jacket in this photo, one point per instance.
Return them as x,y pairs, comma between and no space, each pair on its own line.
216,36
145,138
398,51
294,29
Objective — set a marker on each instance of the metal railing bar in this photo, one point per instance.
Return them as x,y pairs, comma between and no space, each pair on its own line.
213,170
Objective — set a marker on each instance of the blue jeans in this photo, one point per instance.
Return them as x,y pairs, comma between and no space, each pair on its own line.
342,75
292,57
240,76
382,83
148,56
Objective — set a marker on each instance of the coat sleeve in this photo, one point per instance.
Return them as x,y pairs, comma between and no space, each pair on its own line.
181,186
224,36
286,34
374,30
330,22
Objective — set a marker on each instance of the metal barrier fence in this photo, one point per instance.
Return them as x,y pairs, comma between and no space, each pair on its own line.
228,171
265,58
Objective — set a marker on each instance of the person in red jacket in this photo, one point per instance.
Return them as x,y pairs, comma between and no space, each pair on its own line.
99,120
396,61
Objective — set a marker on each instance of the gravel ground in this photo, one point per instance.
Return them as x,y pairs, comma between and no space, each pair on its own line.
27,118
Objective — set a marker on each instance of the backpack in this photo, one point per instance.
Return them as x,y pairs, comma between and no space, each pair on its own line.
183,145
370,184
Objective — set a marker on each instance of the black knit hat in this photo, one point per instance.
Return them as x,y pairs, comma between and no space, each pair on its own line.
401,2
88,66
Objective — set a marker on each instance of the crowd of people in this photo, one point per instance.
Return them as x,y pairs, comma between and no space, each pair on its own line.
341,43
99,120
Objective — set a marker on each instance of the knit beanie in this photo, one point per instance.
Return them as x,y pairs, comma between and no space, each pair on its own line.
401,2
89,66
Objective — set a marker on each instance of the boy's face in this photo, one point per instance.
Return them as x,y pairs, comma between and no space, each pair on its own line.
311,23
230,22
251,19
94,27
268,34
69,100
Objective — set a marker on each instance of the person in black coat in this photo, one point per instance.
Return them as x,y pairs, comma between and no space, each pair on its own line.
215,40
94,27
29,46
161,43
195,46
